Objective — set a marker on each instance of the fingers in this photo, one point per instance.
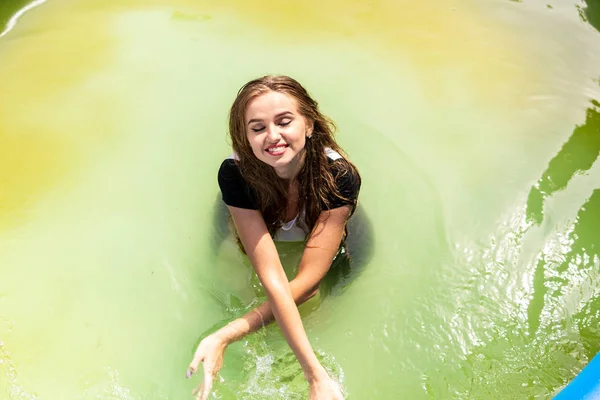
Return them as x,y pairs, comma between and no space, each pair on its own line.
208,381
190,371
198,391
193,367
202,391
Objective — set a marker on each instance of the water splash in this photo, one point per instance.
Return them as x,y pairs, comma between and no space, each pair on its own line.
277,374
114,389
272,371
14,390
270,368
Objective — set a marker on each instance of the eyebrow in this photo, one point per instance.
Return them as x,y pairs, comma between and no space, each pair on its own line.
277,116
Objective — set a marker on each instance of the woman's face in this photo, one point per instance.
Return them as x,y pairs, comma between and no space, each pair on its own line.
277,132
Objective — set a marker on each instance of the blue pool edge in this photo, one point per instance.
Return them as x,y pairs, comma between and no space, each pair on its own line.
586,385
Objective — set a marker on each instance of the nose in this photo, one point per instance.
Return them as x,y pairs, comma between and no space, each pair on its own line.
273,134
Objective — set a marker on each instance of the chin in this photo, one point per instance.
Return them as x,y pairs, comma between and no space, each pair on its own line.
280,163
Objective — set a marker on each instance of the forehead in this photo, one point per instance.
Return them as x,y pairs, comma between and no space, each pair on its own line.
270,104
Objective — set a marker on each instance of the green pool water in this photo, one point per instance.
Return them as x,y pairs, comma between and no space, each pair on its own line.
475,126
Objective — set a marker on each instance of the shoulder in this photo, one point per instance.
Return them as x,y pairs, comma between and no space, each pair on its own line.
235,191
229,169
346,177
229,174
341,168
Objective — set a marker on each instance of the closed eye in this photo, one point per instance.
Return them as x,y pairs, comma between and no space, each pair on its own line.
258,129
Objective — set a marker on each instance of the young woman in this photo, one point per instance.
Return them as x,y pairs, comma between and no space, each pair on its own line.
287,180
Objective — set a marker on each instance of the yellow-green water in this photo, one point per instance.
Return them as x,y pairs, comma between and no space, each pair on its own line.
475,126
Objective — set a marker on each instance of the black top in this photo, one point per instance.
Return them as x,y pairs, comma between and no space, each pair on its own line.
237,192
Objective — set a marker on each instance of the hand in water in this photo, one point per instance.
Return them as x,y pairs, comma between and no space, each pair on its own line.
210,352
325,389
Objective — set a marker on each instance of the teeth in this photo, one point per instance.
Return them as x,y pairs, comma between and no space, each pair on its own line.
276,149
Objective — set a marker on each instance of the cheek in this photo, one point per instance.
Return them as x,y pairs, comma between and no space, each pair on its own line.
254,144
301,139
299,136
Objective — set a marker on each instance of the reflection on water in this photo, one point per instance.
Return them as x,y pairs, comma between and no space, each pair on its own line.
577,155
592,13
8,9
580,245
586,255
539,327
12,21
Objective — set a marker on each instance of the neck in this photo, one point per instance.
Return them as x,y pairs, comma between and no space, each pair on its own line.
291,170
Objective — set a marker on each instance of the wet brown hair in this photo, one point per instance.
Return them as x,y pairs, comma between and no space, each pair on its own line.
317,176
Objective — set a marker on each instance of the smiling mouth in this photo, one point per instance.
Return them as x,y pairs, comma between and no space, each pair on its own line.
276,150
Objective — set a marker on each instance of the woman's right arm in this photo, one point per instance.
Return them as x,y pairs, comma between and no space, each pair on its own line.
282,297
263,255
321,248
211,349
